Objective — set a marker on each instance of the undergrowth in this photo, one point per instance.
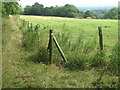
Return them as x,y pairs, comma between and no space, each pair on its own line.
82,53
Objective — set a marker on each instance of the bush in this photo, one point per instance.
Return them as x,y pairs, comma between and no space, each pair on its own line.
76,63
88,18
99,60
30,39
114,59
42,56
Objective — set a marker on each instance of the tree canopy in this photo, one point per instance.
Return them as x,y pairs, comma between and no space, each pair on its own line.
10,8
111,14
63,11
69,11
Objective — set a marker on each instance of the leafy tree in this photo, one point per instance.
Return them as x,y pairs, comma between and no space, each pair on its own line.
3,10
70,11
10,8
111,14
87,14
27,10
63,11
50,11
37,9
90,14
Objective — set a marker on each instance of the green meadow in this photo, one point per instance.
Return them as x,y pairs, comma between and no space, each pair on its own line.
76,26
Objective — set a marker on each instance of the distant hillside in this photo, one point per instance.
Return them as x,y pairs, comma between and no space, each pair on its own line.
95,8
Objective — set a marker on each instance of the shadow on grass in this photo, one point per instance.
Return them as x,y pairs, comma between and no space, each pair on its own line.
42,56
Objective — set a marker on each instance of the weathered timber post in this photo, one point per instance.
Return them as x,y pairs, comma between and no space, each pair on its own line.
100,38
50,46
59,49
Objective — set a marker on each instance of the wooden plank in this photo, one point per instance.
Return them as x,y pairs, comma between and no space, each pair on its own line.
59,49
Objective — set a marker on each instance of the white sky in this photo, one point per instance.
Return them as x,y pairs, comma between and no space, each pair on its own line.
81,3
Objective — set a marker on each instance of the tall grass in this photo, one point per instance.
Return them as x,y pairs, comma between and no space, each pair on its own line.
81,52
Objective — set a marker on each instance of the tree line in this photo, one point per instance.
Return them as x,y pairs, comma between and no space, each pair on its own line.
59,11
68,11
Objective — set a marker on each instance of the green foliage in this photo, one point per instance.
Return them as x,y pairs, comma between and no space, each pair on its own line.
41,56
111,14
90,14
37,9
27,10
114,59
10,8
76,63
88,18
79,41
63,11
77,52
27,74
99,60
70,11
30,38
99,83
50,11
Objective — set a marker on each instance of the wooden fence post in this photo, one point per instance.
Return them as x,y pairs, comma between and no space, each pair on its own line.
100,38
50,46
59,49
52,38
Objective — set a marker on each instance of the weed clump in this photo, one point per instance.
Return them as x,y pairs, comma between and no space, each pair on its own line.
76,63
114,62
99,60
30,39
42,56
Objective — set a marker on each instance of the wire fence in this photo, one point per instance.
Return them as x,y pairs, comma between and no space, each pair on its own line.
27,26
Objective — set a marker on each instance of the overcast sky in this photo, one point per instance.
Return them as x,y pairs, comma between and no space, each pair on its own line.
81,3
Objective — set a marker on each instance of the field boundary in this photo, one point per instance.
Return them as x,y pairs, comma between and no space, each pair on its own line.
29,26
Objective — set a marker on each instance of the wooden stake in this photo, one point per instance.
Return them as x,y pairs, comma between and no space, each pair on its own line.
100,38
59,49
50,46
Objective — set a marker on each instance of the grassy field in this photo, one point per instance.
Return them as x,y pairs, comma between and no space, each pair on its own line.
20,71
75,26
